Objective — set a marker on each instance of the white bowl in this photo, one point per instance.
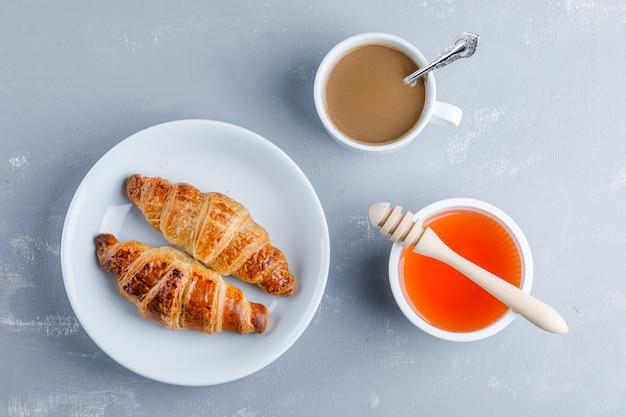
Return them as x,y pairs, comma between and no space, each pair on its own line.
515,232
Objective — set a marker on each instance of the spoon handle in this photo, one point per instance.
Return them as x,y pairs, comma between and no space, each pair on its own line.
529,307
463,46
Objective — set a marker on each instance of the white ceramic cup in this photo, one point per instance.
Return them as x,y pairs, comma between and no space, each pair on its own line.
396,278
433,111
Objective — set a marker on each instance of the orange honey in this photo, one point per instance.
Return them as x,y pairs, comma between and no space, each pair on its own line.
444,297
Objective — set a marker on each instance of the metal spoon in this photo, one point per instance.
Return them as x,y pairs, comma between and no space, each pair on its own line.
463,47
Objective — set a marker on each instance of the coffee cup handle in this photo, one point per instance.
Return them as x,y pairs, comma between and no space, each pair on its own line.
446,114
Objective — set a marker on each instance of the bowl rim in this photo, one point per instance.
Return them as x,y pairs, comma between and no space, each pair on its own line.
516,233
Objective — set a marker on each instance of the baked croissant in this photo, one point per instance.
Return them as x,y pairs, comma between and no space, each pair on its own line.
213,228
172,289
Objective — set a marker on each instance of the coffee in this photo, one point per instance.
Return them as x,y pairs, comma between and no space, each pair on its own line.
366,96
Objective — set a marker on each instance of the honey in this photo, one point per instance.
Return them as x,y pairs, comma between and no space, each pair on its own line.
444,297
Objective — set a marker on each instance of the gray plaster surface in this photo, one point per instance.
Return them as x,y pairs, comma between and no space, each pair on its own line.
543,138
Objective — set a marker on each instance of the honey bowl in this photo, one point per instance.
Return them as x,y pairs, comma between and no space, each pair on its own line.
440,300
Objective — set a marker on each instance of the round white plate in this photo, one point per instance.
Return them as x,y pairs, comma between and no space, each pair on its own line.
213,156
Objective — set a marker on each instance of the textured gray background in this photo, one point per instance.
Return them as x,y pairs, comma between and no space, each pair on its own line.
542,138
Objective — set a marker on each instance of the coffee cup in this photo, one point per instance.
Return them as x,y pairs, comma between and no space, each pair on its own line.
355,94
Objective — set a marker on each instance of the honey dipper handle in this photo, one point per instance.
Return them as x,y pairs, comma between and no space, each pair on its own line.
529,307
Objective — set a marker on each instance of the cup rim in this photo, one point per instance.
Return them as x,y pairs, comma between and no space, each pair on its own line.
525,254
340,50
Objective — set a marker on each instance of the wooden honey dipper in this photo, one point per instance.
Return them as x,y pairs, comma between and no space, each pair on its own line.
409,232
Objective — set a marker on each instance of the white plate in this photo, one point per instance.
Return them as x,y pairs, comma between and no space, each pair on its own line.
213,156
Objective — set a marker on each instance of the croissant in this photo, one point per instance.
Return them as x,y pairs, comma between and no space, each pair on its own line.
172,289
213,228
